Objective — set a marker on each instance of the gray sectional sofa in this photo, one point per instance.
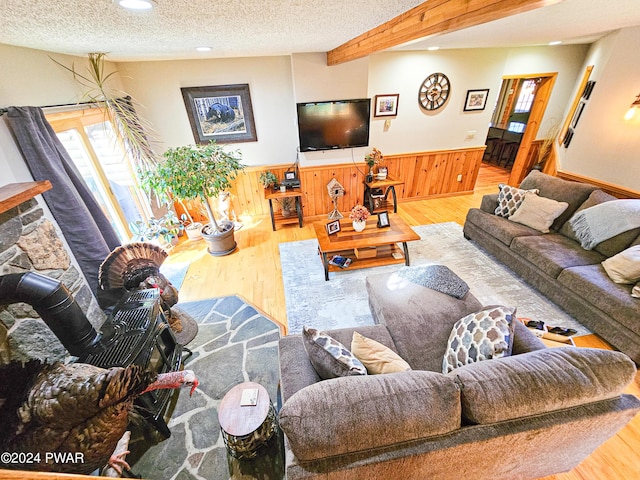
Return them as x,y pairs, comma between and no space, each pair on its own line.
537,412
556,264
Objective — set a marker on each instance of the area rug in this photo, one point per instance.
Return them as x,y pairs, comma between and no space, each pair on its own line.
235,343
175,272
343,302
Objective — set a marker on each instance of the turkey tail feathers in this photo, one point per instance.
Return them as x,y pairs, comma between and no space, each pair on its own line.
128,265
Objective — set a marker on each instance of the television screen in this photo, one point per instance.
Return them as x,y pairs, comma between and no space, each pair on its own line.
334,124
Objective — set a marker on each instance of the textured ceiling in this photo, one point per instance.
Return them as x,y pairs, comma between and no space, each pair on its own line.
234,28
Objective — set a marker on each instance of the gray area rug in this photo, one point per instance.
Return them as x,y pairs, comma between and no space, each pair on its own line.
342,301
235,343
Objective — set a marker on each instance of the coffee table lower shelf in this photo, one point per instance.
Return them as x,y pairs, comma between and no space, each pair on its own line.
401,256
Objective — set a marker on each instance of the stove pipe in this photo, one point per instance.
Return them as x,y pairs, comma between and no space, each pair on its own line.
55,305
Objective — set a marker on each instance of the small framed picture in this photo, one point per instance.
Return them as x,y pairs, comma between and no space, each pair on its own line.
383,219
476,100
386,105
291,175
333,227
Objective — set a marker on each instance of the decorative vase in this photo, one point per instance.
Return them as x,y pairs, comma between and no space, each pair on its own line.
358,226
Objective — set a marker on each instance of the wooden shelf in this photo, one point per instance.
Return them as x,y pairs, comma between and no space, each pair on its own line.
14,194
356,263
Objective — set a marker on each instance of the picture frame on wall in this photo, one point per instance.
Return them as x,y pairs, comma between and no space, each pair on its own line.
222,113
333,227
476,100
386,105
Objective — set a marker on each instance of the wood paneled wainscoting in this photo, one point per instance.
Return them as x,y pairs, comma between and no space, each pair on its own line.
425,175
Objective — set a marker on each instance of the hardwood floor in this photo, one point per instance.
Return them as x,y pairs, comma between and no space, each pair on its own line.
254,272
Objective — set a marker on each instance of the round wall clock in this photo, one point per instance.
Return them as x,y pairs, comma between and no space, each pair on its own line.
434,91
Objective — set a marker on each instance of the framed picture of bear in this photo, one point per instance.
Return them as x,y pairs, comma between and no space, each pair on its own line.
222,113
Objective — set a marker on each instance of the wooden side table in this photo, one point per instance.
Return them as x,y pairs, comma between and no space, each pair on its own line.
246,428
387,186
273,194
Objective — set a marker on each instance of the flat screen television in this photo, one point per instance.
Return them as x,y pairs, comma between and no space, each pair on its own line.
333,124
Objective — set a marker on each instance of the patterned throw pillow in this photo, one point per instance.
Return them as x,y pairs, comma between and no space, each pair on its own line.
509,199
329,357
480,336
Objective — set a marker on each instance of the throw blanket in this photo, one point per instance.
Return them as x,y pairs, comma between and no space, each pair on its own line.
604,221
436,277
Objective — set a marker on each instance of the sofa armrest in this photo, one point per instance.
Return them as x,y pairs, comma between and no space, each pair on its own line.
524,340
296,371
489,203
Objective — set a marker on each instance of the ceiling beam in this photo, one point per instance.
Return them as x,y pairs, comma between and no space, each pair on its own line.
430,18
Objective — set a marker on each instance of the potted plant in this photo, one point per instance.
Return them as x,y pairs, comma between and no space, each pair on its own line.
203,172
359,215
164,230
192,229
268,179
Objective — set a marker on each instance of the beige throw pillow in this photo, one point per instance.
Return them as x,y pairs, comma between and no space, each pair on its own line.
375,356
538,212
625,266
635,291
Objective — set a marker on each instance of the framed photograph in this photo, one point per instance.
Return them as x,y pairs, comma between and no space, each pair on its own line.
577,114
333,227
290,175
476,100
222,113
588,88
383,219
386,105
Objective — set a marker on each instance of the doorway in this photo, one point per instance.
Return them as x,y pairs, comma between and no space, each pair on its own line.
516,119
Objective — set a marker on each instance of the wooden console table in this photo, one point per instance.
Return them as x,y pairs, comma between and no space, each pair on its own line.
294,193
347,240
387,185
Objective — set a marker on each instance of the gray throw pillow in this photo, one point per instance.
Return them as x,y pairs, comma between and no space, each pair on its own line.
330,359
480,336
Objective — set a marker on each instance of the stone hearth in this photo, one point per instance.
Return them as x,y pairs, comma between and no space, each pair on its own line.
30,242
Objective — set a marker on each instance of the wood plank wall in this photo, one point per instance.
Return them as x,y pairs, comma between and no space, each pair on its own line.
425,174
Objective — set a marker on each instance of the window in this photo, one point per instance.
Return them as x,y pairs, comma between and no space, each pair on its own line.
525,99
88,137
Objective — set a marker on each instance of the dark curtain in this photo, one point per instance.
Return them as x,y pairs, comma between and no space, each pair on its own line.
84,225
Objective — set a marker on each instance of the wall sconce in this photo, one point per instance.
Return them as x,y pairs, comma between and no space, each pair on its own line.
632,109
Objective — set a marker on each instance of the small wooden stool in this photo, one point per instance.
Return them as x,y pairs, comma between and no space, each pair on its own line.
246,428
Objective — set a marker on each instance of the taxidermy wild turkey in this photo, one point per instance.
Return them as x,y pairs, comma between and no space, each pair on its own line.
136,266
73,408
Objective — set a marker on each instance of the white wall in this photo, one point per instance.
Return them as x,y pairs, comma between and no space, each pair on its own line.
30,78
605,146
156,86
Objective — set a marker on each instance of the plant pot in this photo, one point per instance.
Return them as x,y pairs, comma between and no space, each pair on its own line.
194,231
220,243
359,226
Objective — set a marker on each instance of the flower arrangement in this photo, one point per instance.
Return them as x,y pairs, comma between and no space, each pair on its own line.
374,158
359,213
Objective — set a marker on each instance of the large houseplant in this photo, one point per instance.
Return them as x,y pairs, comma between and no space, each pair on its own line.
198,171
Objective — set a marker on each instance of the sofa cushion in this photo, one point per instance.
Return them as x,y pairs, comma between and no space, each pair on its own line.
509,199
635,291
554,252
574,193
329,357
354,414
419,319
482,335
592,283
538,212
625,266
540,381
611,246
500,228
376,357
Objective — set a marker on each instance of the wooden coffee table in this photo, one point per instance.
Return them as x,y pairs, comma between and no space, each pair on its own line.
347,240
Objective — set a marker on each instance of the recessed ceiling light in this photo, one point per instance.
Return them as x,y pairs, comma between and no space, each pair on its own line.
203,49
433,49
136,4
555,42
